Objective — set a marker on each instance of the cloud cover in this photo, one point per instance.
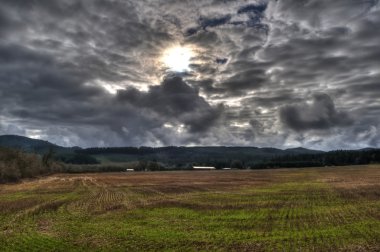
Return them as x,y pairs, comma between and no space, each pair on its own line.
280,73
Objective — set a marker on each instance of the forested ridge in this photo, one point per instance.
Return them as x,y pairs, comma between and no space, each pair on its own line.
25,158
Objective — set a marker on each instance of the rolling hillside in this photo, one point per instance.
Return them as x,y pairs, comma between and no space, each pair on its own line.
32,145
171,155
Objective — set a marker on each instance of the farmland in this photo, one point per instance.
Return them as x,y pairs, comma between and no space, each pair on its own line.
314,209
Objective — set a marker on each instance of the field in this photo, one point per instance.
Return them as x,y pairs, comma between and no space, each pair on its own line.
316,209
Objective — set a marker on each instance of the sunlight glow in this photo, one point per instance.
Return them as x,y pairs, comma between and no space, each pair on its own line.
33,133
178,58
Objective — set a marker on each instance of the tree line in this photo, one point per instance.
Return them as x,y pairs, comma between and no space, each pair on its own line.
332,158
15,165
175,160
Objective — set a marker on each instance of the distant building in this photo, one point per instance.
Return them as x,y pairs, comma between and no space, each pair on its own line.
203,168
130,170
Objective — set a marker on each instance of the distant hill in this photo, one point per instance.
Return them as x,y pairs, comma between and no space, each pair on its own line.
171,155
31,145
301,150
180,157
183,156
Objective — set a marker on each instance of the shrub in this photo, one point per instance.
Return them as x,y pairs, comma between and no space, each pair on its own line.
15,165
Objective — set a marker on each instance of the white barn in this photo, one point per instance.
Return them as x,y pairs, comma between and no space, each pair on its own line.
203,168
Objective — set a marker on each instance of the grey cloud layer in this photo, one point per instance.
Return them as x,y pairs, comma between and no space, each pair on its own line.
268,73
319,115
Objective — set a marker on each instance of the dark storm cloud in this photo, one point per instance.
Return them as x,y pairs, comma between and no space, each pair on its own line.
82,72
255,8
175,100
245,80
319,115
205,22
221,61
17,54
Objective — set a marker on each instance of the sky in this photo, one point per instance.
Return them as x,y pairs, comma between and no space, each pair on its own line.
270,73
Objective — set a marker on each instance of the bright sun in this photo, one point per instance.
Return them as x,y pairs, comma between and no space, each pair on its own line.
178,58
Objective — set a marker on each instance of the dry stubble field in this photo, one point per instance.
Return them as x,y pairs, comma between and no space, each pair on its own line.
321,209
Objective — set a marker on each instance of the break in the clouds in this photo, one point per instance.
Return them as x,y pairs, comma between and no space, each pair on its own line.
279,73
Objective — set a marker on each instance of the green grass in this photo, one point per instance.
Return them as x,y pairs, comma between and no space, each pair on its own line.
280,210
